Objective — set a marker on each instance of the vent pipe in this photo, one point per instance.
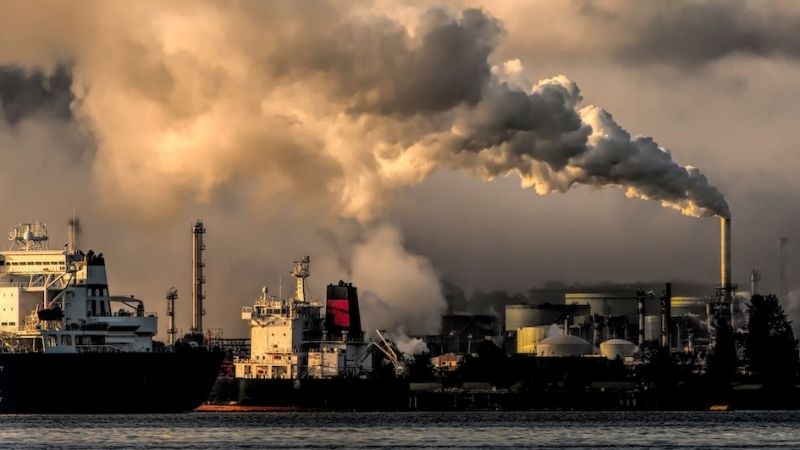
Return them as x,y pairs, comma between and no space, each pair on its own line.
198,279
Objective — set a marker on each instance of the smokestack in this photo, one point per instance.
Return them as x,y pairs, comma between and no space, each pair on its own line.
74,232
725,258
172,295
198,230
666,313
782,285
640,295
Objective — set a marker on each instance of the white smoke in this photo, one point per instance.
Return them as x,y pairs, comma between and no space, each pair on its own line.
399,291
409,346
186,99
318,111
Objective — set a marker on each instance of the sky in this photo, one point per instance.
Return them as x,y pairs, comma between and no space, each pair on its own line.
496,145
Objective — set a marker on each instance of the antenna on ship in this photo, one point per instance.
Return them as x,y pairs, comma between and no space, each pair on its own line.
198,279
172,295
301,271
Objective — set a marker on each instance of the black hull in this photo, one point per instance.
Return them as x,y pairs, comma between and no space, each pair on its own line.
106,382
350,394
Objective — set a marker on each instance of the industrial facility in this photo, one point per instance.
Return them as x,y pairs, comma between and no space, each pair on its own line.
617,321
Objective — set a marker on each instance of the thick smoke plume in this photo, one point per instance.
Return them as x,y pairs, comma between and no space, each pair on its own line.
186,99
304,110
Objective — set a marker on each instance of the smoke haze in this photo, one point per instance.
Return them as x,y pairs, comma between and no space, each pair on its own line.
343,133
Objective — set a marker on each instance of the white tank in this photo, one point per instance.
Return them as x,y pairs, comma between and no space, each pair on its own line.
563,345
617,348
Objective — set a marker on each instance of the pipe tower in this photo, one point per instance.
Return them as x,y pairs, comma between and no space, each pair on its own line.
666,315
172,295
198,279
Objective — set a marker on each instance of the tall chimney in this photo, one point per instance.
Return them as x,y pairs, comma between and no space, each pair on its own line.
640,296
74,232
782,285
172,295
198,230
725,258
666,315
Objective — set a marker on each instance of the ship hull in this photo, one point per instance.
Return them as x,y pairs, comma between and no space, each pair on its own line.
106,382
350,394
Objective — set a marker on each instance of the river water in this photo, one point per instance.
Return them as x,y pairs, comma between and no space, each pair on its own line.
740,429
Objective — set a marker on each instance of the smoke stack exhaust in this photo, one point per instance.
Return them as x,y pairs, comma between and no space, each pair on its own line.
782,285
725,258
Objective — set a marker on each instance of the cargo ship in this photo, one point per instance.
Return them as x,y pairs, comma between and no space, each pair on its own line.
68,346
303,358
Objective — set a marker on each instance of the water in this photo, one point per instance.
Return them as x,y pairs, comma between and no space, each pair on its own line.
406,430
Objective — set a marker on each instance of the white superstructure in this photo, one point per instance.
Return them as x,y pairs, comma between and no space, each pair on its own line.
58,300
288,340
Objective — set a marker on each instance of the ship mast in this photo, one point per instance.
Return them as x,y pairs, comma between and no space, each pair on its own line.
301,271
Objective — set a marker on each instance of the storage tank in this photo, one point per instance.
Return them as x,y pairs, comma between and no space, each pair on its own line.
528,337
652,328
563,345
524,315
617,348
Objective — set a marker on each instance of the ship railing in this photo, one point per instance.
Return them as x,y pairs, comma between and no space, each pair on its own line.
12,284
99,348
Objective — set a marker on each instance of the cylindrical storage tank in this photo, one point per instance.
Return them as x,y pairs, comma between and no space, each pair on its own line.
612,303
617,348
528,337
563,345
523,316
652,328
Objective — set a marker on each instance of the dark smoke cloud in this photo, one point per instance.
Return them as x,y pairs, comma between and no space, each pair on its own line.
693,33
443,65
25,93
